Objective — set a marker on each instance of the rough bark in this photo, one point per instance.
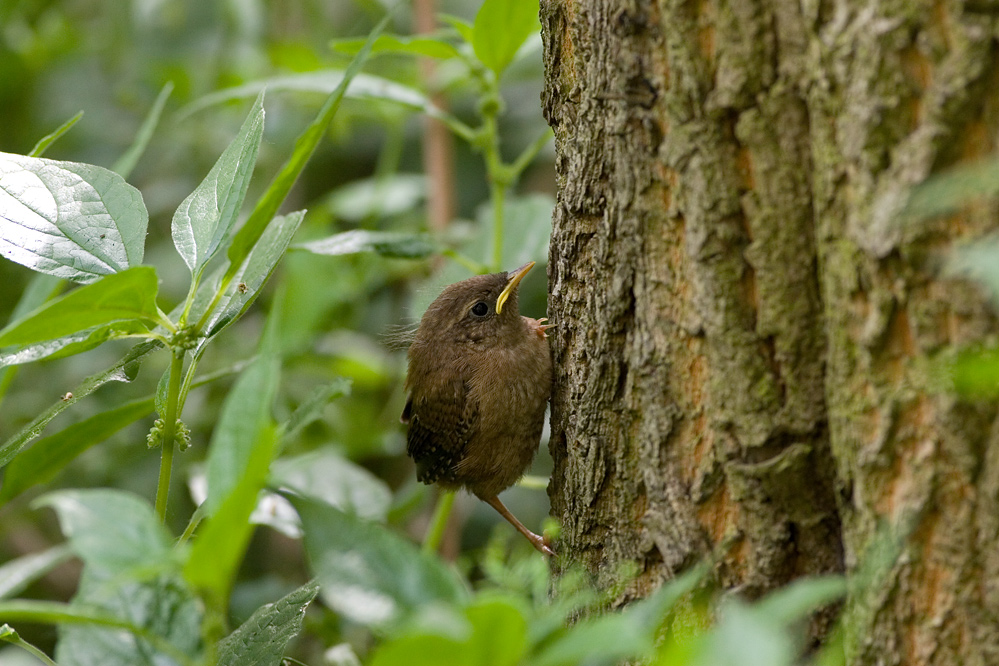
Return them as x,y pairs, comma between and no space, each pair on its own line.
742,326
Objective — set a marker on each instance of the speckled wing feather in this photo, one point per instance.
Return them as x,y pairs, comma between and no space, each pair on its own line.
441,423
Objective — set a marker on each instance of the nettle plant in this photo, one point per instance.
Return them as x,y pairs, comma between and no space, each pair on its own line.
148,596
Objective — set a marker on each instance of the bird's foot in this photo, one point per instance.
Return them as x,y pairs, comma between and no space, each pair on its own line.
540,326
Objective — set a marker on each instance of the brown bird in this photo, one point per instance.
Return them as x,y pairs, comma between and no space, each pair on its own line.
479,379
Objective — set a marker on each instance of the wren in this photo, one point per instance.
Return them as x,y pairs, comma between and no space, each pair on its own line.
479,379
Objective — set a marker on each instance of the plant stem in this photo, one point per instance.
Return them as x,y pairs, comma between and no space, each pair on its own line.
435,533
169,433
497,192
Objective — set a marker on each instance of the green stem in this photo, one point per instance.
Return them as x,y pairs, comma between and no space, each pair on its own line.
169,433
497,192
435,534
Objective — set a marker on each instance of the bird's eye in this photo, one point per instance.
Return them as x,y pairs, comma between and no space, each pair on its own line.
480,309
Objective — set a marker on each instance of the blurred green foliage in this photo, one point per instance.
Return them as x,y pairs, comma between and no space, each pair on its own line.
250,361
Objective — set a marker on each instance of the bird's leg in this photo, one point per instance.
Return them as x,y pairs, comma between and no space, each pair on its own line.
536,541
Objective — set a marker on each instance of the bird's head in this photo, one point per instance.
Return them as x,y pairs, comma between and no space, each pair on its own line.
481,309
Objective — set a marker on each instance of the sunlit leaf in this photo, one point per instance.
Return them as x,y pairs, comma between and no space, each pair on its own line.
208,214
122,296
75,221
501,27
263,638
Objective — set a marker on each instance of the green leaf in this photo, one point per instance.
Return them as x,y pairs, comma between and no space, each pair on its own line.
428,46
127,162
214,559
75,221
326,82
975,372
394,244
123,296
122,371
246,238
21,572
75,343
800,598
328,476
378,197
263,638
953,189
978,261
205,218
499,632
463,27
110,530
245,414
40,464
422,650
368,574
47,140
627,635
161,611
501,28
312,409
8,635
252,276
50,612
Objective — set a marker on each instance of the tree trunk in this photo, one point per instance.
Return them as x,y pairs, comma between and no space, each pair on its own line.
743,325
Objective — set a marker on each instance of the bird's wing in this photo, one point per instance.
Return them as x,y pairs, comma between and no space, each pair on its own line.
441,423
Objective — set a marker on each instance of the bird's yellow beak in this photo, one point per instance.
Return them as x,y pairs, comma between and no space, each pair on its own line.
511,284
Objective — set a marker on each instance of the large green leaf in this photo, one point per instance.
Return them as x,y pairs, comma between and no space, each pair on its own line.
245,414
112,531
263,638
207,215
41,463
326,475
165,615
74,221
219,546
130,295
501,28
369,574
50,612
